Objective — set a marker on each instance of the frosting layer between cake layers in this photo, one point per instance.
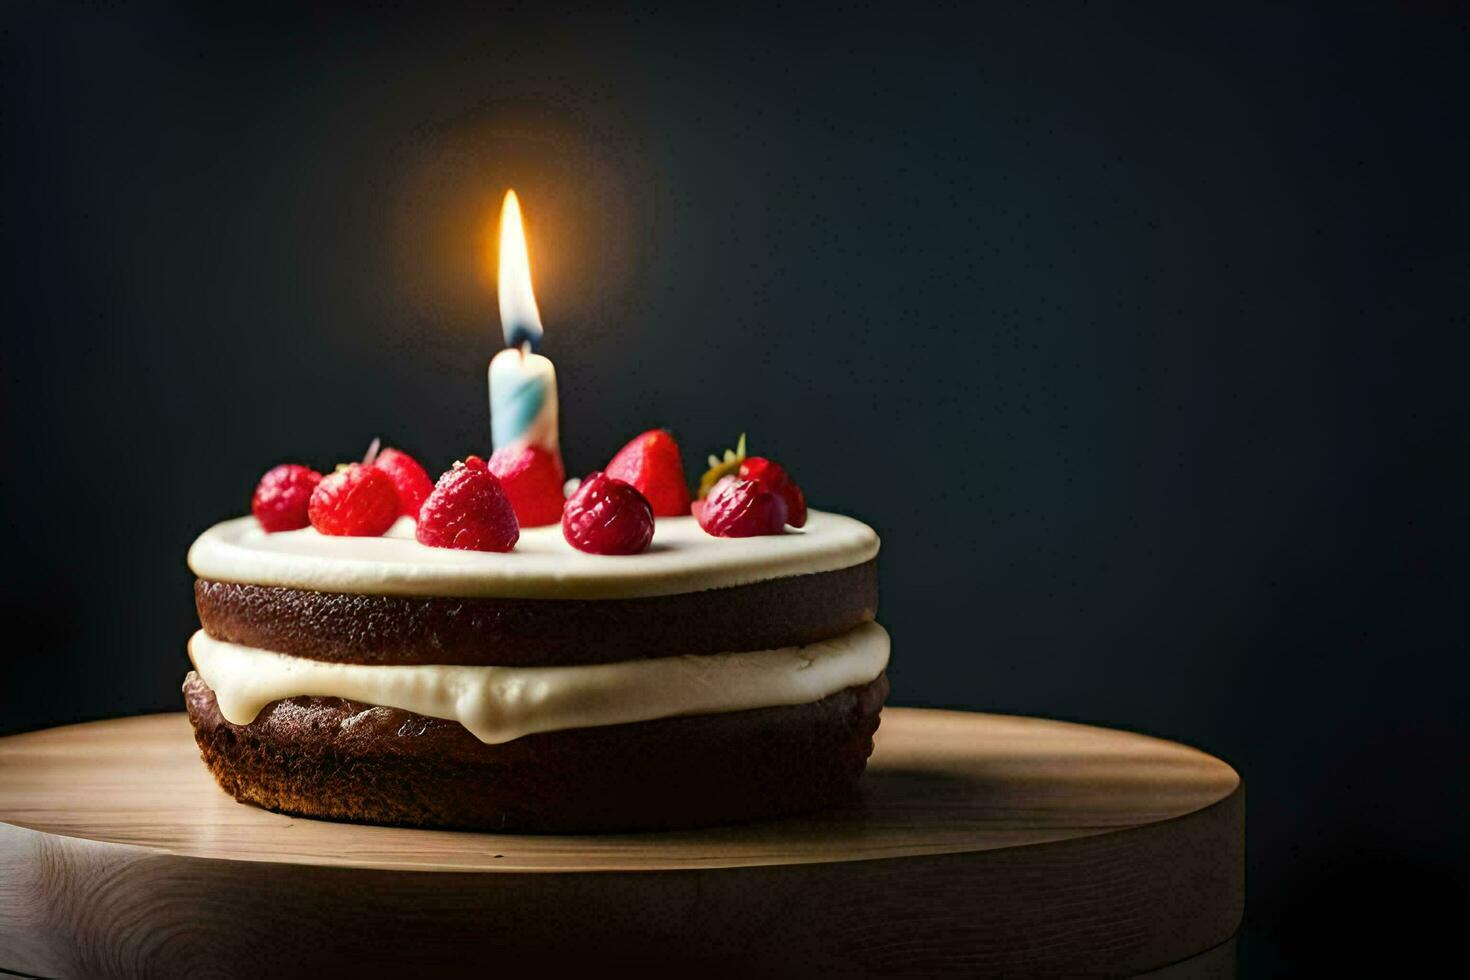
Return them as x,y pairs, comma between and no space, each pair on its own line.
498,704
682,558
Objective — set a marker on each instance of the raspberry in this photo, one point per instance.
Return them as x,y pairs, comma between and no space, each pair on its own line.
697,507
652,464
775,478
281,497
468,510
411,479
356,501
737,508
607,517
532,478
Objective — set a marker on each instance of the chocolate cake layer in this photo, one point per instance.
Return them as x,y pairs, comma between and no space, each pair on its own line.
343,760
384,629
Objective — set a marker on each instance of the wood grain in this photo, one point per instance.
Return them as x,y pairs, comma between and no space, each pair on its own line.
980,843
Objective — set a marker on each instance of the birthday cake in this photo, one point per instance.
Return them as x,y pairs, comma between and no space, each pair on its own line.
374,677
504,650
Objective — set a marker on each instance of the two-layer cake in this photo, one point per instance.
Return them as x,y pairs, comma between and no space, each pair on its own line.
706,680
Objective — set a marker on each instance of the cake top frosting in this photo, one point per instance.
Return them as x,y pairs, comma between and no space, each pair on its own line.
682,558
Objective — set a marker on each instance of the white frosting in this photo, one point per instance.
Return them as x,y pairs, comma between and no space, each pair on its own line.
682,558
499,704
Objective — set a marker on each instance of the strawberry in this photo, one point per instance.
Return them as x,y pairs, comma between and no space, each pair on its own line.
282,495
355,501
607,517
652,464
775,478
721,467
468,510
533,479
411,479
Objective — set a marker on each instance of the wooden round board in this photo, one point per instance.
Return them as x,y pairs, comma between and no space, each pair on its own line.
978,844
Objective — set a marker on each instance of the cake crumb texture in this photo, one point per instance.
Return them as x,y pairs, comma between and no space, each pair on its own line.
343,760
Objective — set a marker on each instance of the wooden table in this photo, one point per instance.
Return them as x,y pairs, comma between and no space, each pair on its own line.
979,844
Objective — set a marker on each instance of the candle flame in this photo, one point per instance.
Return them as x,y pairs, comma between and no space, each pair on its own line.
519,317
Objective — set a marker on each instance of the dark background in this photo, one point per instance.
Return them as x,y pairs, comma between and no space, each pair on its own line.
1137,336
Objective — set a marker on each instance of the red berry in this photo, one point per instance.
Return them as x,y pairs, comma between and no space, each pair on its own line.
697,507
607,517
795,502
738,508
356,501
468,510
281,497
777,480
652,464
532,478
411,479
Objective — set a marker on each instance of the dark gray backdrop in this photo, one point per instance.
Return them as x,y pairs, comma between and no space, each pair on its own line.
1130,332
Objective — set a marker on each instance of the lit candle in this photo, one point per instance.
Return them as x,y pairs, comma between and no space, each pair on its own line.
522,382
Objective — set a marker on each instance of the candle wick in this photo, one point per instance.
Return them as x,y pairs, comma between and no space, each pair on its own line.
525,349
